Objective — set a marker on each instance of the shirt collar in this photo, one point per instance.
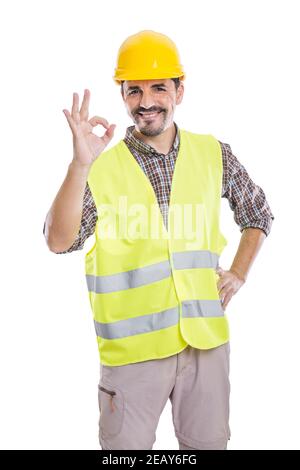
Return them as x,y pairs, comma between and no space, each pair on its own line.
144,148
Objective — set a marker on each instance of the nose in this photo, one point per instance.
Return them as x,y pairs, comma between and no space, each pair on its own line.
147,100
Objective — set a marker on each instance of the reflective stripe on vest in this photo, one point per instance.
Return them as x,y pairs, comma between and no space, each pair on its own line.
129,279
195,259
153,273
158,321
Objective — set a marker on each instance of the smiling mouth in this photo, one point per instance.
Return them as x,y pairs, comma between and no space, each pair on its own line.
149,115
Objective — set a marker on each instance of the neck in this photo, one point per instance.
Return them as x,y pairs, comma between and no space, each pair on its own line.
162,142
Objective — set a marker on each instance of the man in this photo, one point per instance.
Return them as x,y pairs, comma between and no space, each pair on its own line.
156,289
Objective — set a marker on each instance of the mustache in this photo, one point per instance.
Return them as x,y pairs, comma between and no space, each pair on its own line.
150,110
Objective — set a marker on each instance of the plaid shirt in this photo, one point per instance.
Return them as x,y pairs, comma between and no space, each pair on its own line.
246,199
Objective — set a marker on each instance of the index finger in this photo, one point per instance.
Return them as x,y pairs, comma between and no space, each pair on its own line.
84,110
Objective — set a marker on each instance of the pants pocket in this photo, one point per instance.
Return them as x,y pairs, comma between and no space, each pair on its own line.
111,407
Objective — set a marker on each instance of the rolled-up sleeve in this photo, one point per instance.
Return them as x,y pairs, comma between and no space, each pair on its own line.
246,199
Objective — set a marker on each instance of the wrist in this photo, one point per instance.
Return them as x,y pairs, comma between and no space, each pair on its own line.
237,273
79,168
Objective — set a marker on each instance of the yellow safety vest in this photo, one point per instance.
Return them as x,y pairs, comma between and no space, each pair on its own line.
152,289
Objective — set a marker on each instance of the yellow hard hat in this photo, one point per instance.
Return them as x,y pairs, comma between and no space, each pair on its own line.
148,55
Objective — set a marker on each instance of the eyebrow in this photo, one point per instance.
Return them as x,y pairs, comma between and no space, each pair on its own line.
136,87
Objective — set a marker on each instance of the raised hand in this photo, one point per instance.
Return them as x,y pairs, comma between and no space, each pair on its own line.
86,145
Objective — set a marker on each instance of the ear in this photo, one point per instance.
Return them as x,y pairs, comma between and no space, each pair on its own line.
179,93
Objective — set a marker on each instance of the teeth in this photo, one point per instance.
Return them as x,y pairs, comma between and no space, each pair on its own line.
148,114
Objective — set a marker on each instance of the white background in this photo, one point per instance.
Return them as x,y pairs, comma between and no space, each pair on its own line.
241,60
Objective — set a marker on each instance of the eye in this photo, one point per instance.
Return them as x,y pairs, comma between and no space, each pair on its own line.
133,91
161,89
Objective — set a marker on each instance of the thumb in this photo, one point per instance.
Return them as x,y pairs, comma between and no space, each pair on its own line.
219,270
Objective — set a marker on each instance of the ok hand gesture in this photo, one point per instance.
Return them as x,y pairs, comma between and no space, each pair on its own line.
86,145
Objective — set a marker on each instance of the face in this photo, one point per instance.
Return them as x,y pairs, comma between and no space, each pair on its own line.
151,103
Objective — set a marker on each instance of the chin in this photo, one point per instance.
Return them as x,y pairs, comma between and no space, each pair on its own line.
151,132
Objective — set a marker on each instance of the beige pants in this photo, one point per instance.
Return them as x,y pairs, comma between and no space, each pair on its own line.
133,396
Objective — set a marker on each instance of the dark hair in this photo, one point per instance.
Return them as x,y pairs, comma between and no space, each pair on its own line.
175,80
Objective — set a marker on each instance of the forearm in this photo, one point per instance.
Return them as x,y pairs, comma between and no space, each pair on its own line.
64,217
249,246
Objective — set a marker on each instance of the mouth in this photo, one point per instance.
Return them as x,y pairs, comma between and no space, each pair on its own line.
149,115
